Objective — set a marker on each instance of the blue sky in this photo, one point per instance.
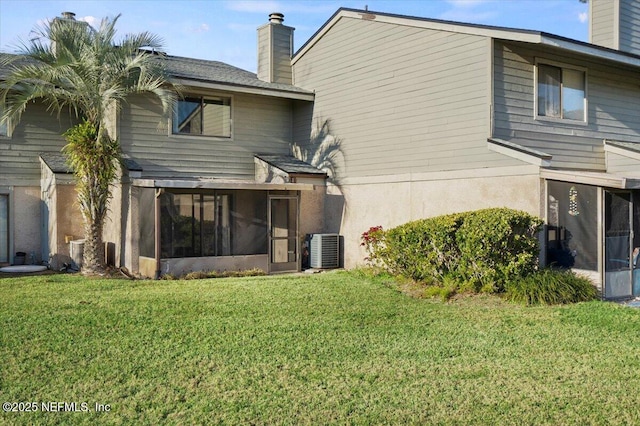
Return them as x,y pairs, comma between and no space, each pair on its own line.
226,30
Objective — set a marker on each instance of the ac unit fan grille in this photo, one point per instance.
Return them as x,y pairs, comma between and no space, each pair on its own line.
325,251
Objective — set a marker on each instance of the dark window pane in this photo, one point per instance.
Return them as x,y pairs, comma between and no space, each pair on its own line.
188,117
549,79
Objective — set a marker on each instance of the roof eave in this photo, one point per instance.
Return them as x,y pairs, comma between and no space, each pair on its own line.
502,33
238,88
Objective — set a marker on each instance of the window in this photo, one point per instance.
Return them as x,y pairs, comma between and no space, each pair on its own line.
210,116
561,93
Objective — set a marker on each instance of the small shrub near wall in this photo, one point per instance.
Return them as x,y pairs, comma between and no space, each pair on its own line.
551,287
496,246
480,250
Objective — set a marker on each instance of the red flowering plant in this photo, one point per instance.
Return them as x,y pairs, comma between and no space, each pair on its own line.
373,242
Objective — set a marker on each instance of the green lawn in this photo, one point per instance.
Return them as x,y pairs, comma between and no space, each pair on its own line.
328,348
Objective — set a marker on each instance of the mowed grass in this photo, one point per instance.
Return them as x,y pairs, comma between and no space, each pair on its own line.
330,348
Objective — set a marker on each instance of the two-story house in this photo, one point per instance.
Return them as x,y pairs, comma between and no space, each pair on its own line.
437,117
427,116
215,188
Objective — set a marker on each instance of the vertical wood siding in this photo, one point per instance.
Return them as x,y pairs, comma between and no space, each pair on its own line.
630,26
613,94
260,125
401,99
282,44
602,23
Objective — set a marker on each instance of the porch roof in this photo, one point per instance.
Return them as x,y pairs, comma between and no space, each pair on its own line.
591,178
220,184
57,163
291,165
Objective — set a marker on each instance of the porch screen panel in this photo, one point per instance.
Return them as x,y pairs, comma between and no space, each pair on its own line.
147,222
249,227
4,228
213,223
572,232
180,219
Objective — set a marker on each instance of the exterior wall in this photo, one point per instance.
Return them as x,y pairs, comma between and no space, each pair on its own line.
26,223
624,165
178,267
398,97
629,16
38,131
275,43
260,125
60,216
395,200
615,24
603,24
613,97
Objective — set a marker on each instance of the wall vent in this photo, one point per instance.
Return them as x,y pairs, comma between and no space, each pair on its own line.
325,251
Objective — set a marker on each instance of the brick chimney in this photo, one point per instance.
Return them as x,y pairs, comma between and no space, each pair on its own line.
275,48
615,24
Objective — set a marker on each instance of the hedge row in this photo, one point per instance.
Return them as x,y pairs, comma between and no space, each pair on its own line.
482,250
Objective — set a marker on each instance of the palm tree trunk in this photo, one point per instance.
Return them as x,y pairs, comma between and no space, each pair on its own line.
93,259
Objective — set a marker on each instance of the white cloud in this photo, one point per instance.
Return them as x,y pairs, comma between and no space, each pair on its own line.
467,16
197,29
255,6
267,7
465,3
468,11
583,17
234,26
91,20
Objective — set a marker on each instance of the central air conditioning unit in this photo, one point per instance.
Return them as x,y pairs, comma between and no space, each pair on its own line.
324,251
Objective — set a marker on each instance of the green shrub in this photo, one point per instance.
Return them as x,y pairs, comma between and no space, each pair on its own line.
480,250
551,287
496,246
423,250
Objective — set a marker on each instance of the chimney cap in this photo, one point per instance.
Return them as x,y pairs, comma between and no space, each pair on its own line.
276,18
69,15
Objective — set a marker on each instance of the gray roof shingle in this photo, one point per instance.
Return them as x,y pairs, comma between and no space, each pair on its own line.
219,72
57,162
289,164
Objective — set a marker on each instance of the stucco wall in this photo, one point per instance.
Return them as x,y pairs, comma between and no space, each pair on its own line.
393,203
26,224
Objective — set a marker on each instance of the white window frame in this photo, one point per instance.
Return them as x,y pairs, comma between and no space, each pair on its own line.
562,66
200,137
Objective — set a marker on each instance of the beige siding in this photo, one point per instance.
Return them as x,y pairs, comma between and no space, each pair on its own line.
602,26
264,53
260,125
621,164
400,97
613,95
275,43
38,131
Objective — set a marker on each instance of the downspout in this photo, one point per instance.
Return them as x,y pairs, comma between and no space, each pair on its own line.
159,192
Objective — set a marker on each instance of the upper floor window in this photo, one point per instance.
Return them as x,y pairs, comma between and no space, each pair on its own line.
561,93
204,116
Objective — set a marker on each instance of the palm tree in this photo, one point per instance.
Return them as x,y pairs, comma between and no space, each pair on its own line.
71,66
